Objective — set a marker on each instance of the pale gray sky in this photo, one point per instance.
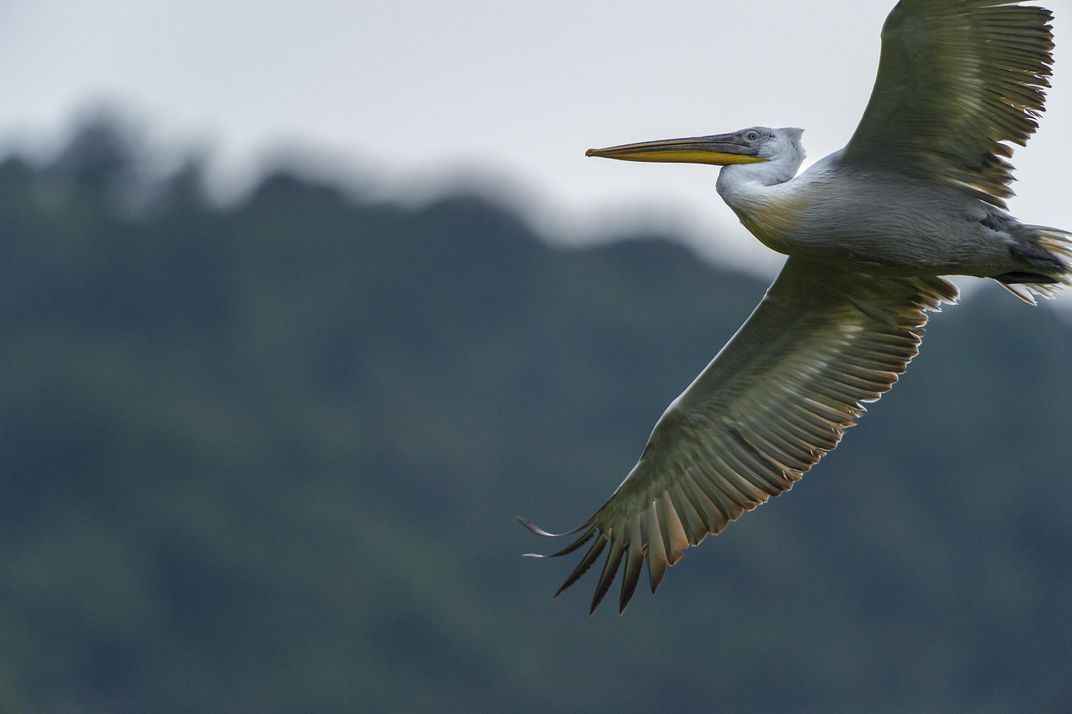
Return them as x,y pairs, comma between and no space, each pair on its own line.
409,94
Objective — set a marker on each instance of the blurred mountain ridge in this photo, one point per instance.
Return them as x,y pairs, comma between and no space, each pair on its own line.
265,457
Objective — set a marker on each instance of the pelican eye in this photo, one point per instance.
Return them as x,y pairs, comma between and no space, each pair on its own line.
752,136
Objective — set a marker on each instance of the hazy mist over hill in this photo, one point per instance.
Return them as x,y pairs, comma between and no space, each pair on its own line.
265,456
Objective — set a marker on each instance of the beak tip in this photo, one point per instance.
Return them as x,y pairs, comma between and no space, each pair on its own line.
590,152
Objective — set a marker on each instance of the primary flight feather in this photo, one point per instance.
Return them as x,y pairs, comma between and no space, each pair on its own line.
918,192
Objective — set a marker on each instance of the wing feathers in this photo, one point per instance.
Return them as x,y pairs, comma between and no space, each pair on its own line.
610,569
674,539
776,399
726,508
958,79
585,564
657,561
633,563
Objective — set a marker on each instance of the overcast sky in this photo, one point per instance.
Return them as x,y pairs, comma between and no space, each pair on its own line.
404,96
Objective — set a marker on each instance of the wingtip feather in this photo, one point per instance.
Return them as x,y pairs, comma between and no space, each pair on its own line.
533,528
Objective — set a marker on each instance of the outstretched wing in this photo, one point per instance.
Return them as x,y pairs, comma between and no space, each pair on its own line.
958,81
767,408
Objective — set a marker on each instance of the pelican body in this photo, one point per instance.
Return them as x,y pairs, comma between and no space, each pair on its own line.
917,193
874,218
884,224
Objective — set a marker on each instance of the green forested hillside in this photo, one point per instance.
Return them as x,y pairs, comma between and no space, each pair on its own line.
266,458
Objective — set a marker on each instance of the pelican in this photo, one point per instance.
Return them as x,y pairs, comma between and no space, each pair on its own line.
917,193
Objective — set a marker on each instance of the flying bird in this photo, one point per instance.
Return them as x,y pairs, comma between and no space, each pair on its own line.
917,193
